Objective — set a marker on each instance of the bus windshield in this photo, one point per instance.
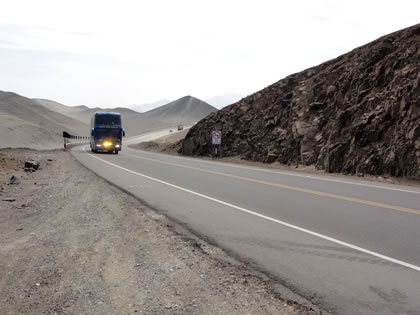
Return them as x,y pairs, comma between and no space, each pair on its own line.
108,120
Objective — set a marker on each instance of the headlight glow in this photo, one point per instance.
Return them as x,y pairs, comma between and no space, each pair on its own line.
107,143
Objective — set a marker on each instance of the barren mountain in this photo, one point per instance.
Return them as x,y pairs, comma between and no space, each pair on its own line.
133,122
60,108
25,123
39,123
186,110
358,113
146,107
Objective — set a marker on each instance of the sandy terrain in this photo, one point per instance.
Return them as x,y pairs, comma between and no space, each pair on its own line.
25,123
73,244
164,144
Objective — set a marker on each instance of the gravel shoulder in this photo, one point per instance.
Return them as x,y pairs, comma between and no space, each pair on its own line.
73,244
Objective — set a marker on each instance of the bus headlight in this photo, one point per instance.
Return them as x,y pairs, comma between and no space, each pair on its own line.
117,145
107,144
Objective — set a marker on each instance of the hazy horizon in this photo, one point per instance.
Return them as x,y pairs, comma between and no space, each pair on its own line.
113,54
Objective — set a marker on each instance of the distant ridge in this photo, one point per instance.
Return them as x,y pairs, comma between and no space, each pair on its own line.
185,110
146,107
58,107
39,123
24,122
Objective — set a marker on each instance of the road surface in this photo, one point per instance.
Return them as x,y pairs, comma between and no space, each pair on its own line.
349,246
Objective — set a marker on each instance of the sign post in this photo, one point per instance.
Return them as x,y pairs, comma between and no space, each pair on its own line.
216,139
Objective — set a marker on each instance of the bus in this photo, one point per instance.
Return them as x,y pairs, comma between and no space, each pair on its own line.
106,132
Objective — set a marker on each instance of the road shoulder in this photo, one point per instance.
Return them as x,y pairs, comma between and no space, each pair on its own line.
71,243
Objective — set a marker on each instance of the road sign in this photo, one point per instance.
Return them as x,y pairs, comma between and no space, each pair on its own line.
216,137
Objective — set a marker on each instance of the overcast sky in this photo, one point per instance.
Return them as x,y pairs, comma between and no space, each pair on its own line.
117,53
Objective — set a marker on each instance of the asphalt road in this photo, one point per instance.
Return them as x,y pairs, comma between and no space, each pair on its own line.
348,245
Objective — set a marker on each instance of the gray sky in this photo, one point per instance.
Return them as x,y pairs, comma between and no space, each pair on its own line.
116,53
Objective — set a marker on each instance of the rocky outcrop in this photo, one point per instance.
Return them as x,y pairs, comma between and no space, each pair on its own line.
358,113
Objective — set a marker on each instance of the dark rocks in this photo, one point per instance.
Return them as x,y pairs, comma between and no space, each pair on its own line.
31,166
356,114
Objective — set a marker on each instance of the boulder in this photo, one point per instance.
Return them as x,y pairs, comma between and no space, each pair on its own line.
30,164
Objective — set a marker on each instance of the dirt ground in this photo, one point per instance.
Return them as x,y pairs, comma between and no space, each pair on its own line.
73,244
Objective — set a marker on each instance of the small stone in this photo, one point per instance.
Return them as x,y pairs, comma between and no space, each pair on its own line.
19,229
9,199
32,164
37,284
13,181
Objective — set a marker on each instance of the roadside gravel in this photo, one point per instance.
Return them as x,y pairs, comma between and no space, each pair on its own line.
73,244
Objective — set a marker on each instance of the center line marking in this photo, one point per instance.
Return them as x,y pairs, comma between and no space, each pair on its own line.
308,191
322,236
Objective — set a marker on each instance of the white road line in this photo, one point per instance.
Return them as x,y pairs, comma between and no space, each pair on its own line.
287,173
322,236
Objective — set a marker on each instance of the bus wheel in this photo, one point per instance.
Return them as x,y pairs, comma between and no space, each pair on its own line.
116,152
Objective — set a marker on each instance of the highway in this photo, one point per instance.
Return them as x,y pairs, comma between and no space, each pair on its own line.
349,246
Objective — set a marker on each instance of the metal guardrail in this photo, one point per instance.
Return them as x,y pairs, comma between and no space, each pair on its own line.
72,139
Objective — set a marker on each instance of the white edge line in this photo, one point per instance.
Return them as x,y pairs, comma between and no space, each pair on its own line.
285,173
322,236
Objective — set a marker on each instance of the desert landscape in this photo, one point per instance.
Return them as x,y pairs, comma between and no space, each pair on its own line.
39,123
75,243
58,229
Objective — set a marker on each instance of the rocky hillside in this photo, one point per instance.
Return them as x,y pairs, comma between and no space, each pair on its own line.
358,113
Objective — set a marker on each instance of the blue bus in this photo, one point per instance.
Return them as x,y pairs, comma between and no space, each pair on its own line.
106,132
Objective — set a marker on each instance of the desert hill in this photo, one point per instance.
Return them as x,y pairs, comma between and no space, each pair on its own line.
82,113
185,110
146,107
25,123
60,108
358,113
39,123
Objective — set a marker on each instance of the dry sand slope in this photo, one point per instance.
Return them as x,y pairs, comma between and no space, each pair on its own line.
25,123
